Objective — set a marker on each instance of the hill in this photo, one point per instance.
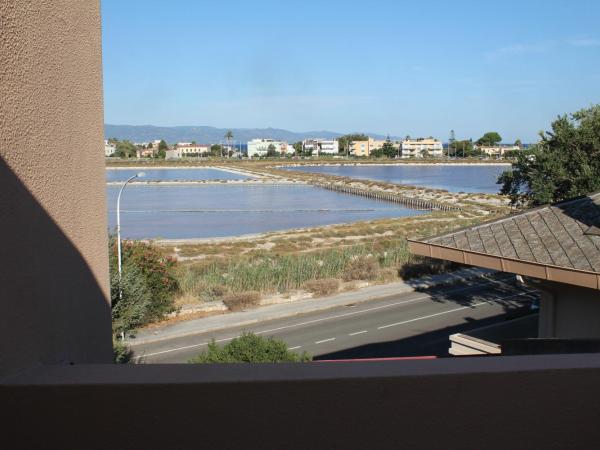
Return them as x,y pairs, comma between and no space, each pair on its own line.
210,135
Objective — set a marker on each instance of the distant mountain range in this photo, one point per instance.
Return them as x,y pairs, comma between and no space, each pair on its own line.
211,135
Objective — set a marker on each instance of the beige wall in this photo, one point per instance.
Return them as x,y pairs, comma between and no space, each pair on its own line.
359,148
54,268
568,311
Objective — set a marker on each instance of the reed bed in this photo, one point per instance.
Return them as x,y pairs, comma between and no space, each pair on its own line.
212,278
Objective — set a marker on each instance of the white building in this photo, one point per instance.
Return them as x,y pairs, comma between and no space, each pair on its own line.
497,150
422,147
187,150
109,148
260,147
321,146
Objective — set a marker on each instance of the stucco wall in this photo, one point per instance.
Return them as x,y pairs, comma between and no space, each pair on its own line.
53,266
569,312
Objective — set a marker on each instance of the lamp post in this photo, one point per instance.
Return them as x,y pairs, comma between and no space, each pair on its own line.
137,175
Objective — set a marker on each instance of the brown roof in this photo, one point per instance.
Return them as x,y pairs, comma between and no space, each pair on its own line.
565,235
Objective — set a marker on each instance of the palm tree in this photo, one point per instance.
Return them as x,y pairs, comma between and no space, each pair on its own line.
229,138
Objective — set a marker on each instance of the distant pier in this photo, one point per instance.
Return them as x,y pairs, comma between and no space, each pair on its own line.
410,202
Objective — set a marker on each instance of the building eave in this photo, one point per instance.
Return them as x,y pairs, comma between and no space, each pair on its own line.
511,265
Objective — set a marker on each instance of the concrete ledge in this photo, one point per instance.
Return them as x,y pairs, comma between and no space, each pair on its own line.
549,402
462,344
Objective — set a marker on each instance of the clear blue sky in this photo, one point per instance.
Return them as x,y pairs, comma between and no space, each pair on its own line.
399,67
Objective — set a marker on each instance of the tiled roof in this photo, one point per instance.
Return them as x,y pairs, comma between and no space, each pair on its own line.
565,235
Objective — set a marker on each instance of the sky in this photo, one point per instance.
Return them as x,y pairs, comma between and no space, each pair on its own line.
418,68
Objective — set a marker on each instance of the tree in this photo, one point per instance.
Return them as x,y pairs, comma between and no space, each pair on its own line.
250,348
229,139
125,149
462,148
162,149
388,149
489,139
564,164
518,143
216,150
272,151
297,147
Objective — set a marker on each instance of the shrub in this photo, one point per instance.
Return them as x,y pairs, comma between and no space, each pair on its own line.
121,353
238,301
362,267
131,299
324,286
147,287
250,348
212,293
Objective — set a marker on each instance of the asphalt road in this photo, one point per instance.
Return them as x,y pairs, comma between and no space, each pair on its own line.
409,324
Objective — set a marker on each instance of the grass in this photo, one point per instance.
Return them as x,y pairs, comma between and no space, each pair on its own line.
375,251
210,279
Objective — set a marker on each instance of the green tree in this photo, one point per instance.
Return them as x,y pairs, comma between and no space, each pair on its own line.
518,143
250,348
216,150
229,139
489,139
388,149
297,147
125,149
460,148
564,164
272,151
162,149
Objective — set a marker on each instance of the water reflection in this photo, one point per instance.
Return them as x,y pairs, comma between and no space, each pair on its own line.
454,178
182,212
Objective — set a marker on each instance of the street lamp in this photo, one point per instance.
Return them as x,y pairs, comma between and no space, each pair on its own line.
137,175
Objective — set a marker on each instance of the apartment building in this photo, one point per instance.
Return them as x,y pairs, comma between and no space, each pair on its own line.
418,148
109,148
187,150
260,147
360,148
321,146
497,150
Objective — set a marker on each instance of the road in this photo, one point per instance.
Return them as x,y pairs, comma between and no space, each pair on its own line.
408,324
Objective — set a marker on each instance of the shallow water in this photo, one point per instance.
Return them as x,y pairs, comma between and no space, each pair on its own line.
183,212
174,174
454,178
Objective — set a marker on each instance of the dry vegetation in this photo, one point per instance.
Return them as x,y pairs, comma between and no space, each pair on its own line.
321,260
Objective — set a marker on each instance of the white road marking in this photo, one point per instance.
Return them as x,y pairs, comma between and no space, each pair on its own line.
358,332
325,340
424,297
432,315
184,347
474,305
294,348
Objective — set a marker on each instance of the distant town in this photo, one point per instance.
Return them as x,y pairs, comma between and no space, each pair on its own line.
359,146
